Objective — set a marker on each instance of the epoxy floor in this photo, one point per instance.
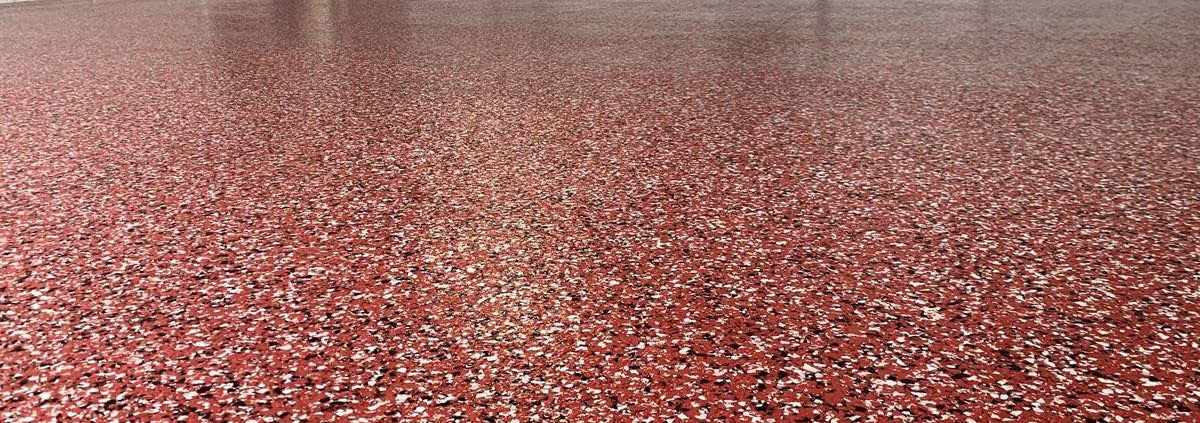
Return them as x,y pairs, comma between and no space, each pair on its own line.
353,210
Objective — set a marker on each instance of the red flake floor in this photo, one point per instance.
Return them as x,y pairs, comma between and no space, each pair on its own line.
357,210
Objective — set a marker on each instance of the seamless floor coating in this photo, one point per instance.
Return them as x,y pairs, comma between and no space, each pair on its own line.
354,210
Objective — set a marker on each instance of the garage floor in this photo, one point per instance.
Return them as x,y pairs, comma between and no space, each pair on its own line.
356,210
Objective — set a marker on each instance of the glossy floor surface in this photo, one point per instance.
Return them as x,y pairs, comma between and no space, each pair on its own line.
599,210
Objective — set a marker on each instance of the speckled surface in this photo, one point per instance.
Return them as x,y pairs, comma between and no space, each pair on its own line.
599,211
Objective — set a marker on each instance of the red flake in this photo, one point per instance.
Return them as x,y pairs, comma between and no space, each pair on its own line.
776,211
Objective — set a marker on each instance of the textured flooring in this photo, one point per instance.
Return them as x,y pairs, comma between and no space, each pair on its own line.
345,210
